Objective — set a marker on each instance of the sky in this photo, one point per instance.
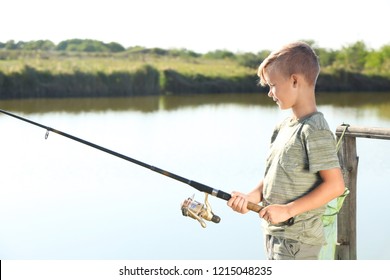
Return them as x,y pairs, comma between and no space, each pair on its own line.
201,25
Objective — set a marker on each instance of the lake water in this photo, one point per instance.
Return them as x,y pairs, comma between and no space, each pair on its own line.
60,199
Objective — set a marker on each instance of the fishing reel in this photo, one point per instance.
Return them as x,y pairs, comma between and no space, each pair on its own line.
199,211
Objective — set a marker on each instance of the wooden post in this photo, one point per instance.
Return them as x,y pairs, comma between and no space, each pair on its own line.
346,220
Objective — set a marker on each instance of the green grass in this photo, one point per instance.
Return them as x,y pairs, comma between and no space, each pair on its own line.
27,74
57,64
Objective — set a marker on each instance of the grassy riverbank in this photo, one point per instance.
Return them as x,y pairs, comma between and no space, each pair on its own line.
37,73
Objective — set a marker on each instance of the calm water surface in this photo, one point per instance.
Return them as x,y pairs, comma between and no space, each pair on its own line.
60,199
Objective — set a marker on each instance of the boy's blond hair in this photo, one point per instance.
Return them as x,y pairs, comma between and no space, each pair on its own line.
294,58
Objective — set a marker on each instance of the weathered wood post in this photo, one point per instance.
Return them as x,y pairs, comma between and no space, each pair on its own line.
346,220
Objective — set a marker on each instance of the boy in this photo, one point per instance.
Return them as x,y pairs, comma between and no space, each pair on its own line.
302,170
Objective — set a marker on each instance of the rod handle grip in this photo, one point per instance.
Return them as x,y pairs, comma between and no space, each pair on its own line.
257,208
254,207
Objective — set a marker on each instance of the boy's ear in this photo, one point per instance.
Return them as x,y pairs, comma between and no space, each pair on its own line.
294,80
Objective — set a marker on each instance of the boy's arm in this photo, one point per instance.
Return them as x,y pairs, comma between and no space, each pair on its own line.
331,187
239,201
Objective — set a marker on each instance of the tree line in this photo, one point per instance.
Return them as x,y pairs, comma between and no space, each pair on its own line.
356,57
91,68
80,45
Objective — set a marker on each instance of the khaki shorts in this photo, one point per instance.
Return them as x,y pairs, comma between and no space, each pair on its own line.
278,248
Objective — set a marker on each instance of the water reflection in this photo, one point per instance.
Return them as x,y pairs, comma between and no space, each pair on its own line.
142,104
377,101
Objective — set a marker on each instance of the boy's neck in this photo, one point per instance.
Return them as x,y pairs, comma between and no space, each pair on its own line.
303,114
305,105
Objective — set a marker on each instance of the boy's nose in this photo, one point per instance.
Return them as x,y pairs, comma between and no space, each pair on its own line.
270,94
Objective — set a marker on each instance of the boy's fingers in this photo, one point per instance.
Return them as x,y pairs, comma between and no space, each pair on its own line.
230,201
263,212
237,203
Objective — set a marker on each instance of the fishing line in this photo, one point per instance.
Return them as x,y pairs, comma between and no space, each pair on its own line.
190,207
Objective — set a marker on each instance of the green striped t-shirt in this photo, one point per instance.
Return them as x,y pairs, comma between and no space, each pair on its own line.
299,150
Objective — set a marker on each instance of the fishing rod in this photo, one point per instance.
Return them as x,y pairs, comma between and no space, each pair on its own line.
190,207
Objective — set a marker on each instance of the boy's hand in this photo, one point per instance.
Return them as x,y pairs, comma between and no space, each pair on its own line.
275,213
238,202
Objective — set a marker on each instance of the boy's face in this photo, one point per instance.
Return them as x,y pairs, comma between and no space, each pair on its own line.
281,89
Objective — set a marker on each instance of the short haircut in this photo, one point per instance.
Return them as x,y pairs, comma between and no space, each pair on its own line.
294,58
